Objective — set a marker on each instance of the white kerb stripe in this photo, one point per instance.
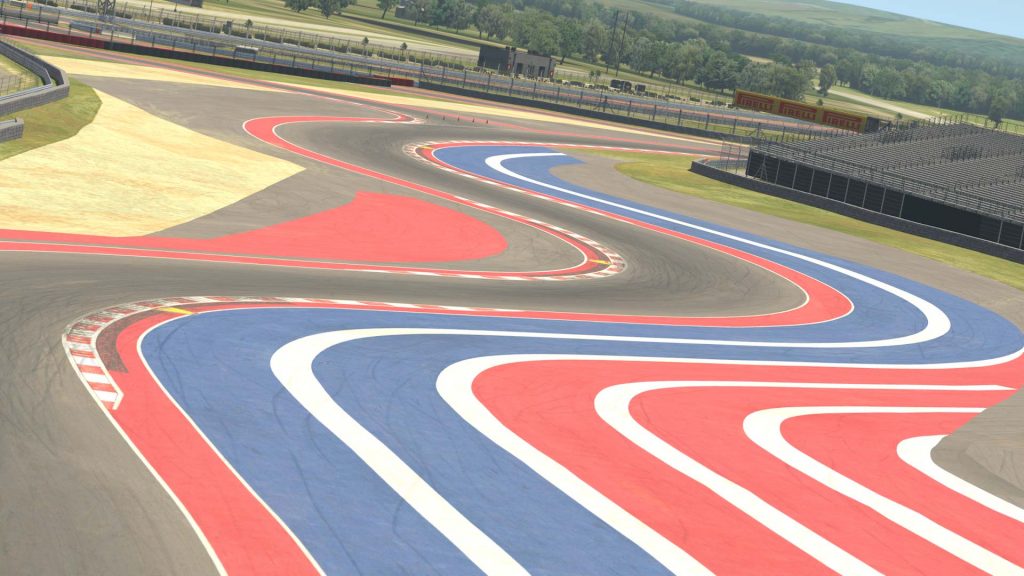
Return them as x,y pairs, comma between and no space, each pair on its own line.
765,429
455,384
918,453
292,364
937,323
612,405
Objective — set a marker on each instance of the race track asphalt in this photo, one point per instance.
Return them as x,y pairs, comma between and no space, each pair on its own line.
77,500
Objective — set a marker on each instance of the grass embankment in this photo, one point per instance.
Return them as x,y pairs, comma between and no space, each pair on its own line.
853,17
860,102
670,173
55,121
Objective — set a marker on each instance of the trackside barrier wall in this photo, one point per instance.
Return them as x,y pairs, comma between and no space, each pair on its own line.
11,129
618,118
55,82
188,36
972,216
1014,254
189,56
235,63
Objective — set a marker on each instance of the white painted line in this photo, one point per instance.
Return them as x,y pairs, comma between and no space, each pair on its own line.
455,384
917,452
613,406
937,323
292,365
764,428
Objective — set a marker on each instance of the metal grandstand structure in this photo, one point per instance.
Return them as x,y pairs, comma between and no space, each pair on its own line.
958,164
951,175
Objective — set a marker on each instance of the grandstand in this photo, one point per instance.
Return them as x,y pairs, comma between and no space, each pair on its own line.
958,177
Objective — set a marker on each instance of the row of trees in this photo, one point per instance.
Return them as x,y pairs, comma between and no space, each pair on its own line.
326,7
999,58
681,50
709,53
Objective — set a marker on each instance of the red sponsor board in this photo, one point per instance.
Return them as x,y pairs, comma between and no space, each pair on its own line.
799,110
843,120
755,101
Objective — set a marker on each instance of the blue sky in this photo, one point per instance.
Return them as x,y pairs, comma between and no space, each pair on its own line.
999,16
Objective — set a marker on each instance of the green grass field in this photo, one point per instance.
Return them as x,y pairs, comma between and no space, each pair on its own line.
670,173
837,100
860,18
14,78
55,121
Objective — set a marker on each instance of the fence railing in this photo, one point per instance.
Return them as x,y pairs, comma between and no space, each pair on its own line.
217,36
907,185
54,86
16,82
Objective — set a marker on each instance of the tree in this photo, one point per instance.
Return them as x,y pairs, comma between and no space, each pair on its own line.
421,8
328,7
718,72
298,5
543,38
493,20
595,39
826,79
386,5
456,14
1002,102
889,84
642,57
570,37
866,82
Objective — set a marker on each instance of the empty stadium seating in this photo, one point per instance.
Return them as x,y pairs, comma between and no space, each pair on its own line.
956,176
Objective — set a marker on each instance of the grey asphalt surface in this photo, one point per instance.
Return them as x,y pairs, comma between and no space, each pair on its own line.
74,498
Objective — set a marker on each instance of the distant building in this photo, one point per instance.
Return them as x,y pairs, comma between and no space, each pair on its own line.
508,60
405,12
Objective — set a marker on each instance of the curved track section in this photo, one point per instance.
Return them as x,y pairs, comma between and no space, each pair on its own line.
690,398
498,437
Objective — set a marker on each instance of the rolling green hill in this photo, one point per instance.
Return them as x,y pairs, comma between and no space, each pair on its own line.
834,14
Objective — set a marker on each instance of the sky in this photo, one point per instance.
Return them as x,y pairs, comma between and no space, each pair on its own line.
999,16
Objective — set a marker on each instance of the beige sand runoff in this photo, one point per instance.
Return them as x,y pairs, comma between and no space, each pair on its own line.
131,71
135,72
129,173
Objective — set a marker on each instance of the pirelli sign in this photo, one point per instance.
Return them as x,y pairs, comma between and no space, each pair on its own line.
801,111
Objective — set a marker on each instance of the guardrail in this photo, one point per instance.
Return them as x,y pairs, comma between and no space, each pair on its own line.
54,86
324,53
887,180
1012,253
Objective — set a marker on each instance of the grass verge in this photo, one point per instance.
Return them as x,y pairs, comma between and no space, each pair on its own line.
670,173
55,121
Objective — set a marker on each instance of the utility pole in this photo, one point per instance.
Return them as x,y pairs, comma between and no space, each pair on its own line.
611,42
618,58
106,9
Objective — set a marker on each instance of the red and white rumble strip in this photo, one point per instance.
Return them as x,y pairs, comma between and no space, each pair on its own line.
81,336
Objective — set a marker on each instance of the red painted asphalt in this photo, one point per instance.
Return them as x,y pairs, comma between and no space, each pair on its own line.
551,405
373,227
